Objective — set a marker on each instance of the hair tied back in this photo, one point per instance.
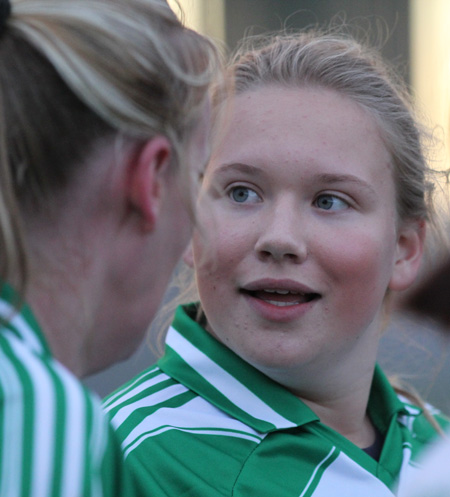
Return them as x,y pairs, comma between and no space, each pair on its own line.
5,11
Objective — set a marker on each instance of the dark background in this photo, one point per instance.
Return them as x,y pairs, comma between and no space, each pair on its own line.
259,16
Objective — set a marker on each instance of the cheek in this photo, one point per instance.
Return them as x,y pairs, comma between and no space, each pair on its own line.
362,271
217,253
218,243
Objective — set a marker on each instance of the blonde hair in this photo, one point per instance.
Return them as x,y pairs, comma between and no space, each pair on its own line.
73,72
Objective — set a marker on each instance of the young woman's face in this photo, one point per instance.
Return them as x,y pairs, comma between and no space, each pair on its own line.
298,240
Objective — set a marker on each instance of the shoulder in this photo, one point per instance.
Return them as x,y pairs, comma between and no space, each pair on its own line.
55,432
154,416
142,396
42,382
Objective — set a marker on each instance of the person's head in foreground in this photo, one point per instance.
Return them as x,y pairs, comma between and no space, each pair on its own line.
104,118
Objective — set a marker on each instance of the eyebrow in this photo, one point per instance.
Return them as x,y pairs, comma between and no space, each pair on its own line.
240,167
332,179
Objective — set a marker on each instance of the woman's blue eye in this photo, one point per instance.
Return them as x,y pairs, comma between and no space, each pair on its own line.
243,194
330,202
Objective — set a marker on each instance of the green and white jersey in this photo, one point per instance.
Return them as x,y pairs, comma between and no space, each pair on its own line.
205,423
55,440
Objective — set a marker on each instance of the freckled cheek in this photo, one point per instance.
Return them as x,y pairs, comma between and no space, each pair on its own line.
220,247
361,274
213,270
215,274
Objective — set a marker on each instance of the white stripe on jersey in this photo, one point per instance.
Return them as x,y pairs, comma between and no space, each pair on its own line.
12,435
74,445
197,432
196,416
17,321
317,468
97,448
151,400
135,391
231,388
408,472
44,419
45,422
408,419
337,477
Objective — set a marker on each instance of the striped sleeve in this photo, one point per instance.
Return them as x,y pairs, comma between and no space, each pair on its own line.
53,434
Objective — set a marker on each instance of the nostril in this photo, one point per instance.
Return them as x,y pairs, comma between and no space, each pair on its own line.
266,255
293,257
281,247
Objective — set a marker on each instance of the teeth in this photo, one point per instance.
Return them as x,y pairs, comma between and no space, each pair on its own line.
281,304
281,292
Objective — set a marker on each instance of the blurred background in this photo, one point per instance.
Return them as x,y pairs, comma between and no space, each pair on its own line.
415,38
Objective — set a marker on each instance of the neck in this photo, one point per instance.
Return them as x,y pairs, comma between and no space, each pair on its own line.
61,300
346,412
338,396
63,322
70,244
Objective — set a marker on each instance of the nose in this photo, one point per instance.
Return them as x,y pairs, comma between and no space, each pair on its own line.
282,237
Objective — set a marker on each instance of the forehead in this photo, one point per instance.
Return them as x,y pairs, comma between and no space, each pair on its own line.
299,110
302,126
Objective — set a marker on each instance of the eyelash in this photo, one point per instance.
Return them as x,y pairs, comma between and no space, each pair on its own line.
336,198
249,191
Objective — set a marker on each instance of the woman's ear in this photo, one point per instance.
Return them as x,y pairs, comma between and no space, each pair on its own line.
409,253
147,170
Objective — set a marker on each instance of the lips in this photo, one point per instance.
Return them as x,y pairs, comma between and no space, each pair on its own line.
282,296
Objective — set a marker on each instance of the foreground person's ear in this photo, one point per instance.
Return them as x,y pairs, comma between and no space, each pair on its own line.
147,170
